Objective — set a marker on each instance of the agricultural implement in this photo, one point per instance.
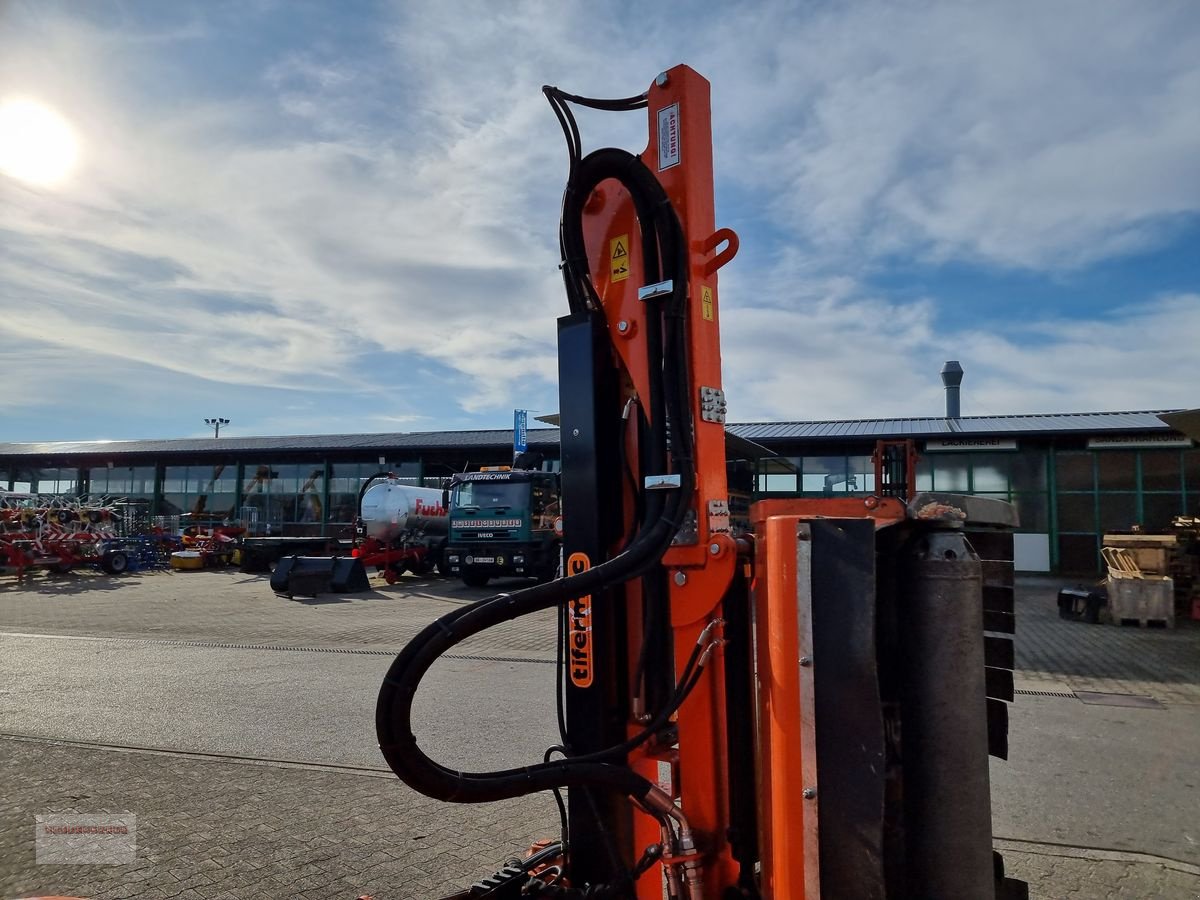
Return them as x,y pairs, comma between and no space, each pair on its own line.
60,534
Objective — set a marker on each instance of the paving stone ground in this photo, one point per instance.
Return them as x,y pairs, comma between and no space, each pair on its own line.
227,606
210,828
214,829
1053,652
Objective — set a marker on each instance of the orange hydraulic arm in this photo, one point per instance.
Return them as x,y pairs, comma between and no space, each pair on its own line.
700,565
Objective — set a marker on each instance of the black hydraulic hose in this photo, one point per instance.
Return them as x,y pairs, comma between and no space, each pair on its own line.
622,105
393,718
662,234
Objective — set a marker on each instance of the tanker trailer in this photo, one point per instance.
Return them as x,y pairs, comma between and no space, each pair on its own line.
400,527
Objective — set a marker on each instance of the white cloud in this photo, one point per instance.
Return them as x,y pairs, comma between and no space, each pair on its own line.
1020,134
403,198
867,357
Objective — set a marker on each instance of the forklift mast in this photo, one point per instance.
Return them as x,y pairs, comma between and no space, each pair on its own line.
804,712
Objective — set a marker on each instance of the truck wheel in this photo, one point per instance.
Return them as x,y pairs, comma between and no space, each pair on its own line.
115,562
473,579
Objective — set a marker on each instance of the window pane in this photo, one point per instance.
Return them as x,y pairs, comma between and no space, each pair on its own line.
1118,512
179,494
824,475
214,490
259,490
344,484
950,472
1160,509
778,476
1073,471
990,472
1028,471
97,481
1076,512
924,474
1191,469
862,471
174,479
310,496
777,484
57,481
142,482
1115,470
1078,553
1160,470
1032,508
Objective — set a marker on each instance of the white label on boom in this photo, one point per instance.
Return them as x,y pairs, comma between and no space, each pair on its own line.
668,136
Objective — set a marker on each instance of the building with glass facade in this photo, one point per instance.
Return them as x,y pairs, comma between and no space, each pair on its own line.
1072,476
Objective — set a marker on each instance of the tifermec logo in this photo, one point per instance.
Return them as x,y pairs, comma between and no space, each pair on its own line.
580,640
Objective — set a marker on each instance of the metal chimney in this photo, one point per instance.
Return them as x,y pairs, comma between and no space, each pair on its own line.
952,376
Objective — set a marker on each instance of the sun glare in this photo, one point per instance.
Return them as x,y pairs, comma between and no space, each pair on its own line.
36,143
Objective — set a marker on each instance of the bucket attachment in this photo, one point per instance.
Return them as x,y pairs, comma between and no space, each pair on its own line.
313,575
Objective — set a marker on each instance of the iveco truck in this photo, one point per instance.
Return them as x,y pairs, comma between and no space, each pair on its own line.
504,522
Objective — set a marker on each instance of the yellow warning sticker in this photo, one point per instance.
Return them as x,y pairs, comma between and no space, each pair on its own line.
706,302
618,254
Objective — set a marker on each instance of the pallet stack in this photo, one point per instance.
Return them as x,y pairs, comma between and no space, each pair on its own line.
1172,558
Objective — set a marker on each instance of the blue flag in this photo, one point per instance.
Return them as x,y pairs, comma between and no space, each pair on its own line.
520,431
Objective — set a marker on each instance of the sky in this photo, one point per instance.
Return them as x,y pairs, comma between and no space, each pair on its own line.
326,218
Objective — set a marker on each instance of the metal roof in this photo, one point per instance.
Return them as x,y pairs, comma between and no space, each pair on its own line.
417,440
869,429
856,429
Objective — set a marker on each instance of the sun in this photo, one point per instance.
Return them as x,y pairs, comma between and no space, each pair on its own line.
37,145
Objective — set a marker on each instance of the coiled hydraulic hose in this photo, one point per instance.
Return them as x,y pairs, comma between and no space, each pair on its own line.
665,252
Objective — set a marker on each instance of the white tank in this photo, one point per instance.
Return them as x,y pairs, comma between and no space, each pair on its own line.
391,510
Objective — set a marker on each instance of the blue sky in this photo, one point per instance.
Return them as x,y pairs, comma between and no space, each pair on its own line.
342,217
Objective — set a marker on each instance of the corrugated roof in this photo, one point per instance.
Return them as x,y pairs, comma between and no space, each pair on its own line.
869,429
416,440
853,429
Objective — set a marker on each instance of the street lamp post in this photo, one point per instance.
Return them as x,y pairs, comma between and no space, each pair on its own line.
216,424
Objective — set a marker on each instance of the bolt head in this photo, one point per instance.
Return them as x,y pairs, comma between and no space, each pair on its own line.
681,578
574,432
662,79
806,661
810,793
714,548
622,326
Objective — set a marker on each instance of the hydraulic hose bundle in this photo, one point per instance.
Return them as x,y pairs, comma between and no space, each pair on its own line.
670,440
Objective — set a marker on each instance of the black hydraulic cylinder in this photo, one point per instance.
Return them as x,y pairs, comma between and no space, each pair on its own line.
947,797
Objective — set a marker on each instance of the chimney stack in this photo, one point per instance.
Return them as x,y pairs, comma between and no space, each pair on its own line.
952,376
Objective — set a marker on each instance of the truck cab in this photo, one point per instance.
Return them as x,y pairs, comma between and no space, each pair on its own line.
504,522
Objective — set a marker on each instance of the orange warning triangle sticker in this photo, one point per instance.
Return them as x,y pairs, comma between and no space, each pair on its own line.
619,250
